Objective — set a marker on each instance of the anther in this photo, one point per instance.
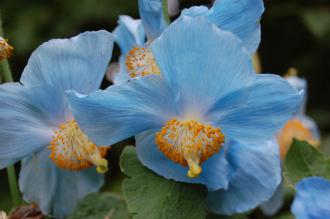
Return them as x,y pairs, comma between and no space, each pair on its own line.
189,143
72,150
6,50
140,62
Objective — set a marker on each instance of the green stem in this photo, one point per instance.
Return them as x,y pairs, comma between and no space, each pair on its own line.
5,71
165,12
13,186
12,180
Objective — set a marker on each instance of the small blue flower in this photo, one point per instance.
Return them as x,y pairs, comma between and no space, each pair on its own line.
37,126
312,200
207,119
241,17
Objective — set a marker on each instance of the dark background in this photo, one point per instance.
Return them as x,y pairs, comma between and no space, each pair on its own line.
295,33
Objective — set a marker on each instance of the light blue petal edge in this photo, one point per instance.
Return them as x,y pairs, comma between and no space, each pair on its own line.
78,63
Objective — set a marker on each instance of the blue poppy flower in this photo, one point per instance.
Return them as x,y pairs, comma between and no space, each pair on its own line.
312,199
207,119
241,17
37,126
301,127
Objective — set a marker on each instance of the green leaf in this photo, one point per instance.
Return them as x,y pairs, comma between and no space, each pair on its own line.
304,160
101,205
285,216
238,216
151,196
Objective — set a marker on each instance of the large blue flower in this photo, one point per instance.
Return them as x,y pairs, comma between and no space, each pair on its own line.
312,199
36,124
207,119
241,17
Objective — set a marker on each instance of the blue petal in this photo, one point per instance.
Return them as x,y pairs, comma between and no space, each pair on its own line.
27,117
78,63
121,76
255,175
151,13
214,170
300,85
312,199
241,17
195,11
202,62
124,110
54,190
275,203
272,101
129,33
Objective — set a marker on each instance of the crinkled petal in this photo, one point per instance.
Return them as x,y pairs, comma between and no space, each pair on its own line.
27,117
202,62
124,110
129,33
78,63
255,175
214,170
241,17
54,190
300,84
275,203
271,102
151,13
312,199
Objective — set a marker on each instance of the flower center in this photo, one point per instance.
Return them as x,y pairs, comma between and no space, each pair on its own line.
141,62
294,128
6,50
189,143
72,150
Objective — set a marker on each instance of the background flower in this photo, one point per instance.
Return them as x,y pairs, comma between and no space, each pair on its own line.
34,114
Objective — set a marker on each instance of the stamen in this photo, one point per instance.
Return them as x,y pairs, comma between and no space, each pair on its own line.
140,62
72,150
294,128
6,50
189,143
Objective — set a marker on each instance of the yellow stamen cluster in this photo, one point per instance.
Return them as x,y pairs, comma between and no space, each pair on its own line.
294,128
189,143
141,62
72,150
6,50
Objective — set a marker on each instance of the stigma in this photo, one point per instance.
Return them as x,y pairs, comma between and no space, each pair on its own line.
72,150
189,143
6,50
140,62
294,128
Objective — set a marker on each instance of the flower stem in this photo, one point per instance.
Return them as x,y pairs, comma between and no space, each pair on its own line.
165,12
13,186
4,65
12,180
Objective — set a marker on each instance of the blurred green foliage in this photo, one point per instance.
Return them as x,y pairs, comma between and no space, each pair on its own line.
295,33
